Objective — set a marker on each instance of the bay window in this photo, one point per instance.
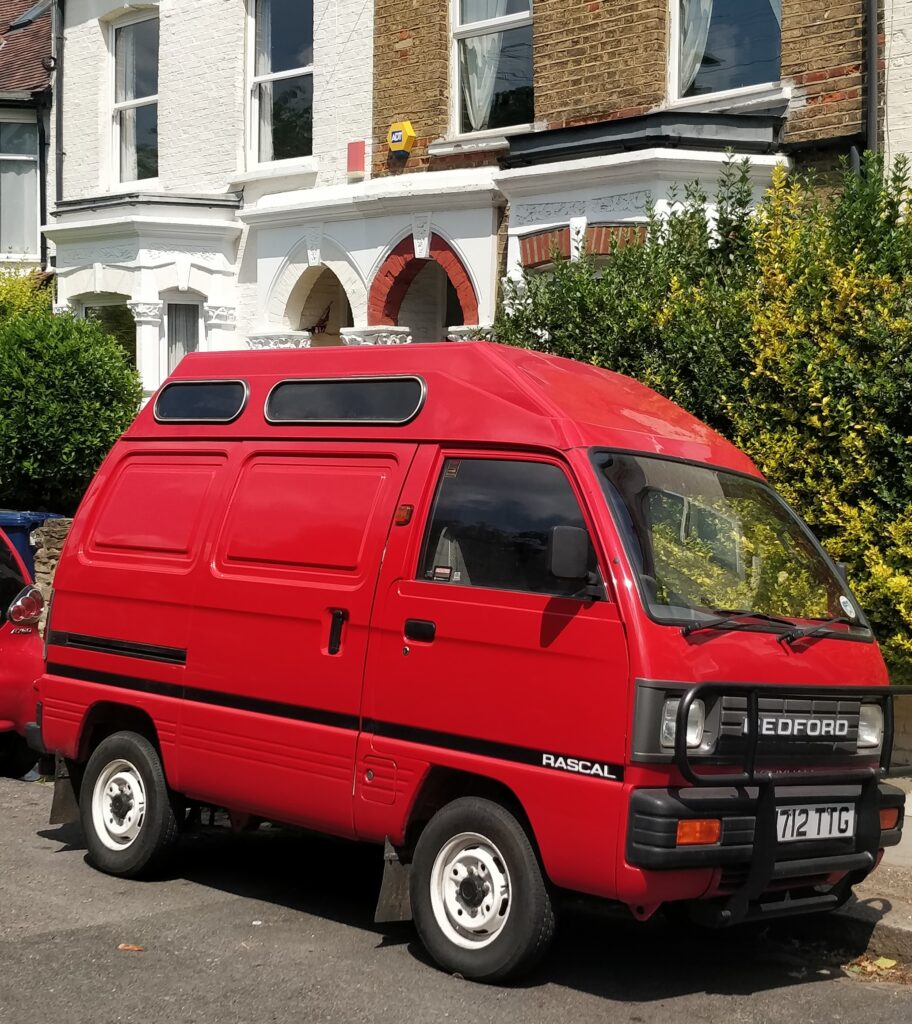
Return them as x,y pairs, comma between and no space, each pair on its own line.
283,79
727,44
18,189
493,56
136,99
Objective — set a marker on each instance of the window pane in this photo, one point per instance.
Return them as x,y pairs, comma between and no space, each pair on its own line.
286,118
482,10
19,139
139,143
18,207
492,523
284,35
183,331
496,73
212,402
116,320
393,400
727,44
136,59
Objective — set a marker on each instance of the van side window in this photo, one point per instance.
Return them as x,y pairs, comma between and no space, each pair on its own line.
11,580
491,525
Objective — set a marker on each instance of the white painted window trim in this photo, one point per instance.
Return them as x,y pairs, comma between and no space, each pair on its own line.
773,91
116,185
254,80
23,117
458,32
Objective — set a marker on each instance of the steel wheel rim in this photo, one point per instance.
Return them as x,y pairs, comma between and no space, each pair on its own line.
118,805
471,892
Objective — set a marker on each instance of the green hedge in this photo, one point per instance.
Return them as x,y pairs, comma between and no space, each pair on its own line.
787,327
66,394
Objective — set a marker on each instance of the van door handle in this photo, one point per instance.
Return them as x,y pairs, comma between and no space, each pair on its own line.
420,629
337,620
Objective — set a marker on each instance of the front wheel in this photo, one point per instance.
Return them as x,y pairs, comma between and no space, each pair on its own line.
479,900
126,808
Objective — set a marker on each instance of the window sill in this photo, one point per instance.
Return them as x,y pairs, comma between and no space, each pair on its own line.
307,166
16,257
753,97
135,187
490,140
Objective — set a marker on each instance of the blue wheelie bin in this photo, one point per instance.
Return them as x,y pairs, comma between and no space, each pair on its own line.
18,527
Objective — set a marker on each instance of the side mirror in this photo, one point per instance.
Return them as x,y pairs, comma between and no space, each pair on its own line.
26,608
568,553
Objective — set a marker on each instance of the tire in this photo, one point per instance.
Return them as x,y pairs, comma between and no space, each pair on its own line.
469,848
128,814
16,759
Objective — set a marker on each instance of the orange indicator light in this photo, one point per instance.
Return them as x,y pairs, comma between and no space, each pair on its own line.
699,832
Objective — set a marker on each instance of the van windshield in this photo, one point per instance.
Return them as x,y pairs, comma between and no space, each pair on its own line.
704,541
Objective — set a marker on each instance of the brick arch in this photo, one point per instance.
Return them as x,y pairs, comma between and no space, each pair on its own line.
399,270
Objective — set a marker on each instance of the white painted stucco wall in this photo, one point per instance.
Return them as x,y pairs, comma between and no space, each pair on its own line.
898,77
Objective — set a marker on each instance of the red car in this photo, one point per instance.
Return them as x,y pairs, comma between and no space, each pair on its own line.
21,660
522,620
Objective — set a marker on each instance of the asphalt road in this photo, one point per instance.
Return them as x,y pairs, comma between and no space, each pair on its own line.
272,927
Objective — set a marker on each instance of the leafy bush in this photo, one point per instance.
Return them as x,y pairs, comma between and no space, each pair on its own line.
789,329
66,394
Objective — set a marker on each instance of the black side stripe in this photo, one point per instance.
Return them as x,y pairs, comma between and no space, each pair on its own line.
276,709
337,720
125,648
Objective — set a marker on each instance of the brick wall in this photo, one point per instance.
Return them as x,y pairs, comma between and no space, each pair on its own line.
823,53
48,541
590,65
411,76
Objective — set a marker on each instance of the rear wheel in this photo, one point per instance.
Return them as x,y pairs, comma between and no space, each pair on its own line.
128,813
479,900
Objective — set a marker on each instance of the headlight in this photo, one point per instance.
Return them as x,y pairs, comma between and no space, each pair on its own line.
870,726
696,719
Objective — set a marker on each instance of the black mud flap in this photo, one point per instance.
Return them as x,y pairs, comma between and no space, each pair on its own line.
65,806
394,903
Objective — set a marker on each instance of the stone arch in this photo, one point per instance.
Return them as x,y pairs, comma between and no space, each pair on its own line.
297,264
402,266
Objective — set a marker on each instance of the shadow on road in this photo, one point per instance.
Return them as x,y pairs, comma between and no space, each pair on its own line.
598,950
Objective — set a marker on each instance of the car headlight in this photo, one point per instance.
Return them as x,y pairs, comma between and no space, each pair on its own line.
696,719
870,726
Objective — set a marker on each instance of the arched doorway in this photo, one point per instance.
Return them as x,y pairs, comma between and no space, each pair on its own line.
319,304
426,295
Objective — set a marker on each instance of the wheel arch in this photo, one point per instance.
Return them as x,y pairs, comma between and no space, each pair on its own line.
104,718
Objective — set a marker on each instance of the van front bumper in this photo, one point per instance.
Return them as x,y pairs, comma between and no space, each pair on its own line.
655,813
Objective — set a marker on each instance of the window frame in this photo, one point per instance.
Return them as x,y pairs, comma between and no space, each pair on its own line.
429,511
458,32
117,182
254,81
762,90
11,116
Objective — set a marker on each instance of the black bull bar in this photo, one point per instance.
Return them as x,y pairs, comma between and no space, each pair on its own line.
744,903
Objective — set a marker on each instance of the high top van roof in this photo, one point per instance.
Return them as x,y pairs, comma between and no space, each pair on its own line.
476,393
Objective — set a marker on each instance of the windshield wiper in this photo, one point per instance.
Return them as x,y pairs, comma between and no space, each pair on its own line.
731,620
800,632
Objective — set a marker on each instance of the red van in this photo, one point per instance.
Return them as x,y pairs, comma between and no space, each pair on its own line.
524,620
21,606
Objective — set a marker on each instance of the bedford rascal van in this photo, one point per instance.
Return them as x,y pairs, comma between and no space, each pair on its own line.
521,620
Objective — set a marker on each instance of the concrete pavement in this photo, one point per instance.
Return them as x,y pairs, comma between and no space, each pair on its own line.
272,927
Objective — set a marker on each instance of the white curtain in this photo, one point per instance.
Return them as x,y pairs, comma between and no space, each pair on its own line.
264,67
183,331
18,207
479,57
695,18
125,66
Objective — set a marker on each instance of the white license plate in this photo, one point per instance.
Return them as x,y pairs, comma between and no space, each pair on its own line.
815,821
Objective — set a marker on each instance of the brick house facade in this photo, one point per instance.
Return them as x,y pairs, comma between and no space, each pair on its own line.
228,179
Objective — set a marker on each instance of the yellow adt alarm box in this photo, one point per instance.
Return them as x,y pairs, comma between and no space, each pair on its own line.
401,137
